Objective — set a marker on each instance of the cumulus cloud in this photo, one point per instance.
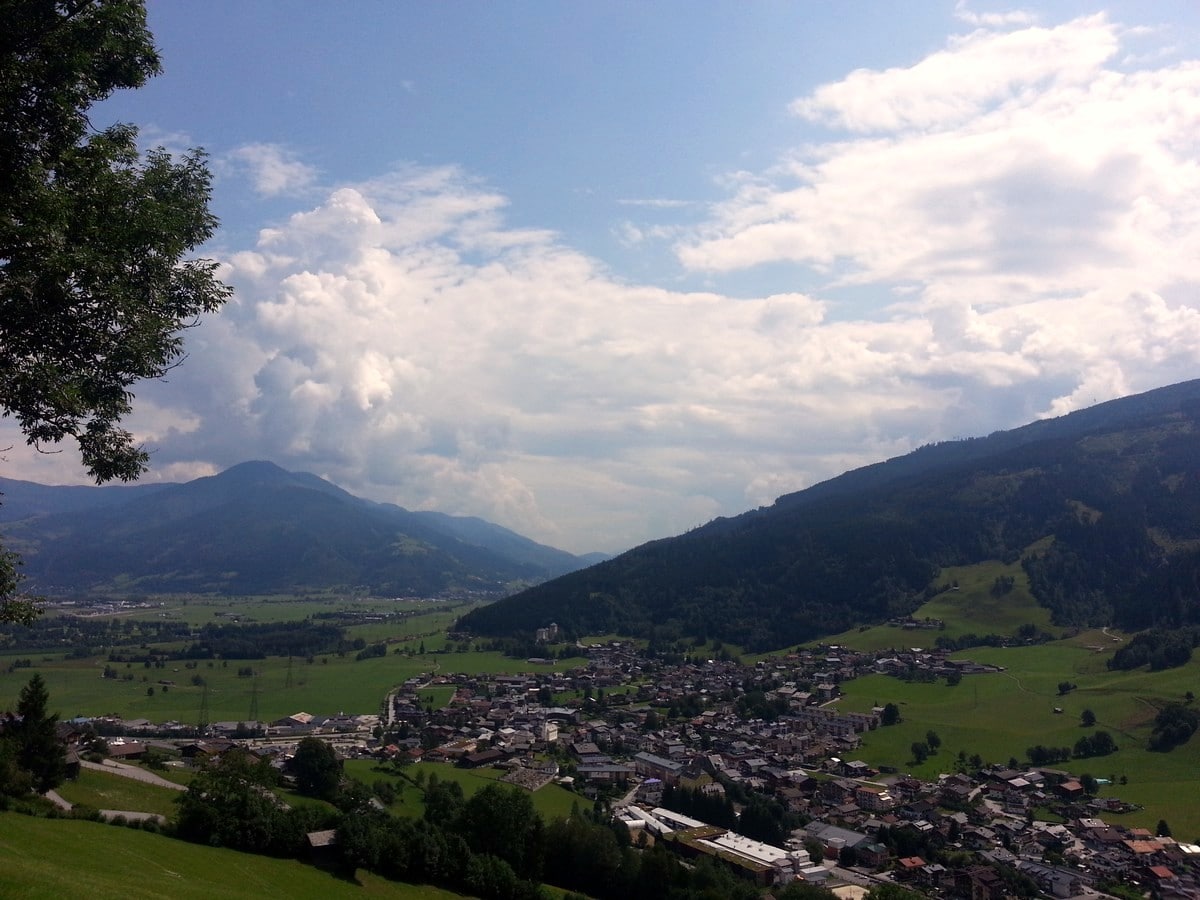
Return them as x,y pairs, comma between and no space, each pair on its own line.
1022,213
1009,162
273,170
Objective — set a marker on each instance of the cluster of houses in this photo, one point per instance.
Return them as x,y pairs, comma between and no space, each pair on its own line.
629,726
611,738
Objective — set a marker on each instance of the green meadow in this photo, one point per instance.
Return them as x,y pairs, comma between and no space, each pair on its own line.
999,716
552,801
102,790
971,608
324,684
47,859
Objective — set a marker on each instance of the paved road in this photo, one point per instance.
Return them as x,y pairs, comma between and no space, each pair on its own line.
127,771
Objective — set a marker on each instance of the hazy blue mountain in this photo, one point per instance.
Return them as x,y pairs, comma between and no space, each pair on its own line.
257,528
1102,506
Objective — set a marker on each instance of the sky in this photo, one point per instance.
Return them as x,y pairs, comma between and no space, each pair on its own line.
602,272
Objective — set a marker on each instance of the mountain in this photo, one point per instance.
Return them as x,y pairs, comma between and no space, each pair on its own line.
1102,506
256,528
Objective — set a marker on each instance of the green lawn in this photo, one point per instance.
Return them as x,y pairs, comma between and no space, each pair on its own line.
47,859
101,790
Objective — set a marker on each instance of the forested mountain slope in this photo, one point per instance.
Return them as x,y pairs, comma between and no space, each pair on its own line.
256,528
1110,496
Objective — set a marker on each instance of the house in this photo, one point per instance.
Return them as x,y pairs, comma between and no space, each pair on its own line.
124,751
650,792
656,766
980,883
908,868
322,846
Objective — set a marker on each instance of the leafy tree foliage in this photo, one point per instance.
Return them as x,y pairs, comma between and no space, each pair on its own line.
1159,648
31,755
500,821
95,280
230,804
892,892
317,769
1099,744
800,890
1174,725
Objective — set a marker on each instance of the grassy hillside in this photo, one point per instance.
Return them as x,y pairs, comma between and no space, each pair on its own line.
999,716
103,790
969,608
46,859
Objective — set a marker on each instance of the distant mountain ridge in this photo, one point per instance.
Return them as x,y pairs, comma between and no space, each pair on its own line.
1102,506
256,528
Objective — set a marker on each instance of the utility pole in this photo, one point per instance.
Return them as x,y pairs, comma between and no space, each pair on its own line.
254,702
202,725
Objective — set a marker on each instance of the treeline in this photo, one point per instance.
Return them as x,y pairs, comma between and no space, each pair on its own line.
258,640
1099,744
1026,634
85,636
492,845
1158,648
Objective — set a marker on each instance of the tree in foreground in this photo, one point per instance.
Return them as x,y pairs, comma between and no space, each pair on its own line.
32,755
317,769
96,283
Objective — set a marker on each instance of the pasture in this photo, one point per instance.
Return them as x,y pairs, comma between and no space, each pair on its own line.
47,859
999,716
971,608
323,684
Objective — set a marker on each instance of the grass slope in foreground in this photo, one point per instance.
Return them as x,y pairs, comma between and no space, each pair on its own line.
46,859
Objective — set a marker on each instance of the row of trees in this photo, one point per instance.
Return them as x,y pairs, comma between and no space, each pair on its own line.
491,845
1158,648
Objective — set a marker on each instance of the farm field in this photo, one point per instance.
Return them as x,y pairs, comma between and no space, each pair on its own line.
323,684
326,685
46,859
999,716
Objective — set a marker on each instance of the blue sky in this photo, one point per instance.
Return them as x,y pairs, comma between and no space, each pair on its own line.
600,272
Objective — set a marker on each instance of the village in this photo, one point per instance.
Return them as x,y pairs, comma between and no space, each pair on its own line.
645,738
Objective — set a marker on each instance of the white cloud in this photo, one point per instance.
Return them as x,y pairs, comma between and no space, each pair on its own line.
1022,214
273,170
963,13
1011,164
